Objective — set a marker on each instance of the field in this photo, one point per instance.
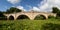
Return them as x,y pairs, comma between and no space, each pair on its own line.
26,24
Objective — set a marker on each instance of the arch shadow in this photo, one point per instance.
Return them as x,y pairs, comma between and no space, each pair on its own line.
39,17
11,17
21,17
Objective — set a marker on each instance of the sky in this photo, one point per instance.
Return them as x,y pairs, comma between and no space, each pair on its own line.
28,5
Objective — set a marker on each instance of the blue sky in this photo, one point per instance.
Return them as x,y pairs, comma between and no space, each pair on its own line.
36,5
5,4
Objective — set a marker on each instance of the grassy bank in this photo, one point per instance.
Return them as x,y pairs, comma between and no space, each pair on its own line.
26,24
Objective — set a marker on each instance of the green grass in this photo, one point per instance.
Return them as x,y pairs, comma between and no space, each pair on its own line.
26,24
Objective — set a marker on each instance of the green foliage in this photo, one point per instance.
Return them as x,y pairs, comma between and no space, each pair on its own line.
51,26
58,15
39,17
28,24
12,10
2,17
7,26
50,17
1,14
55,10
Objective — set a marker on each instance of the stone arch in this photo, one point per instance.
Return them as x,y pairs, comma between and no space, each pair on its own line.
22,17
43,15
11,17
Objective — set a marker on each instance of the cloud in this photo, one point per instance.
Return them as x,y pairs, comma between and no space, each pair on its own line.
46,5
14,1
35,9
21,8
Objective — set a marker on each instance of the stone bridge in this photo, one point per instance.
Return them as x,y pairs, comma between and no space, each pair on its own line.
31,15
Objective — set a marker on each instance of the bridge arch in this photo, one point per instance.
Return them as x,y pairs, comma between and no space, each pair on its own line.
23,17
41,16
30,15
11,17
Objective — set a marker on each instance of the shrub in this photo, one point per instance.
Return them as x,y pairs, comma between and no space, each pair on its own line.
40,17
58,15
6,26
50,26
3,18
51,17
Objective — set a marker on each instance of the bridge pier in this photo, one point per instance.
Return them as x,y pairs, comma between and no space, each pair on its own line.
31,18
14,18
46,17
7,17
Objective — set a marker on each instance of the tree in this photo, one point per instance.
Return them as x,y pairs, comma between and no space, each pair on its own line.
55,10
12,10
58,15
2,17
1,14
